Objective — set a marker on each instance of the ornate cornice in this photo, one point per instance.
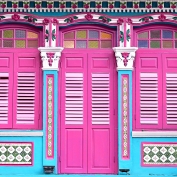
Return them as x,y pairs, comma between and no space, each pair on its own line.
88,6
125,57
50,57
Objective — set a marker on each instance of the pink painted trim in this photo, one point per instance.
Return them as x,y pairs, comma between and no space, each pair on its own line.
32,157
125,126
153,165
48,156
125,34
50,33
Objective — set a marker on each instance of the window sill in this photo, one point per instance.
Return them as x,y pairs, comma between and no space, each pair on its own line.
21,133
139,134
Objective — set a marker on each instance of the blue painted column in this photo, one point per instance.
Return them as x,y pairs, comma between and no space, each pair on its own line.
50,58
125,57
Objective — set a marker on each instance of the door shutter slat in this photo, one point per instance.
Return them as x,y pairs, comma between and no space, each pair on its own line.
171,96
148,104
24,116
100,99
4,89
74,98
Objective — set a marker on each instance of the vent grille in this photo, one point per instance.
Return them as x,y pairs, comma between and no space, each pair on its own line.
171,98
26,98
74,98
100,98
148,98
4,94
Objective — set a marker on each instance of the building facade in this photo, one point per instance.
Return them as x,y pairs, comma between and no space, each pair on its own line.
88,87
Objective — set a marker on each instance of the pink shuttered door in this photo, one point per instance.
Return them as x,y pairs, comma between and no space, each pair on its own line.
73,154
87,127
100,113
148,91
6,82
169,91
26,90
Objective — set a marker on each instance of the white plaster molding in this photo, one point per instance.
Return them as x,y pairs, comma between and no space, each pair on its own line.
125,63
56,51
164,134
23,133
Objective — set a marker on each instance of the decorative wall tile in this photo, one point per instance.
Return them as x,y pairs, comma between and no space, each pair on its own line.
50,116
125,117
159,154
16,153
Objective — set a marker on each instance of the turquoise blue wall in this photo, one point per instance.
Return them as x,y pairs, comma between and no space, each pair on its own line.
52,162
37,167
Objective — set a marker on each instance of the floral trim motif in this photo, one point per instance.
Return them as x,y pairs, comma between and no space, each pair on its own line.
26,4
15,17
49,4
98,5
47,35
53,35
16,153
62,4
1,17
89,17
159,154
160,4
3,4
121,38
74,5
14,4
173,5
162,17
111,4
146,19
123,5
86,5
38,4
50,120
70,19
128,35
30,19
148,4
104,19
125,121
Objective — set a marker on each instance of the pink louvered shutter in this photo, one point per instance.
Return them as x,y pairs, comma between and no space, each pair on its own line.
26,91
169,91
100,113
148,91
6,85
73,154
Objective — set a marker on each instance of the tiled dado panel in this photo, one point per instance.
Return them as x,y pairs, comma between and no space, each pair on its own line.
16,153
159,154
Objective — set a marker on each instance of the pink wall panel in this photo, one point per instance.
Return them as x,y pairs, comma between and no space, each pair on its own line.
101,63
72,62
27,62
74,148
149,62
171,62
4,62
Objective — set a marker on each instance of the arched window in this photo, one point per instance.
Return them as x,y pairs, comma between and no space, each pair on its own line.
18,38
19,78
87,39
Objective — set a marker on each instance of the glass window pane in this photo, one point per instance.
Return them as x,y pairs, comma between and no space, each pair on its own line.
155,44
167,44
93,44
81,34
8,43
8,33
20,43
81,44
0,43
0,34
143,44
93,34
32,43
31,35
155,34
68,44
175,34
105,35
69,35
175,44
143,35
20,34
106,44
167,34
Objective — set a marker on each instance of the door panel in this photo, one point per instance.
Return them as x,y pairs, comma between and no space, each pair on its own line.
74,114
100,113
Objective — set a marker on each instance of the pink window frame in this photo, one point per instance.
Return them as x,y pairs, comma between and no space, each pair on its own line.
88,27
13,50
148,50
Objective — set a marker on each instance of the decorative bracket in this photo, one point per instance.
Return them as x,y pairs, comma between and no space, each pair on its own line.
50,57
125,57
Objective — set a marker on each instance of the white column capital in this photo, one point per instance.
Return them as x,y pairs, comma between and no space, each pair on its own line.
125,57
50,57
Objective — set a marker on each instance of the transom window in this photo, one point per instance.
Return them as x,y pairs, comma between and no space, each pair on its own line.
92,39
157,39
17,38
